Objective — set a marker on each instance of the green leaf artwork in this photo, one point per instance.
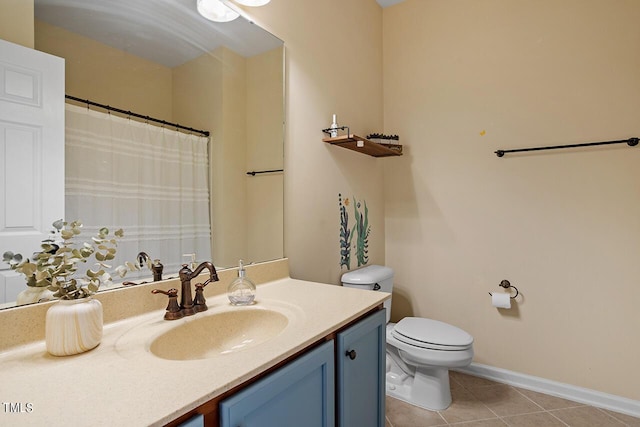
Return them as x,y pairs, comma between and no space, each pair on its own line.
345,234
360,231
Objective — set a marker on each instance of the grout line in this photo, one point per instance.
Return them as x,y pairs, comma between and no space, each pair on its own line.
582,395
468,390
528,398
553,415
575,404
444,420
504,419
462,423
611,416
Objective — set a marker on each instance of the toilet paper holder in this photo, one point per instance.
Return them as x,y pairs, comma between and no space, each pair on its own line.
506,284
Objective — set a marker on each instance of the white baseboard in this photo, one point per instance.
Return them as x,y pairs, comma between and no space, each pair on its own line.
566,391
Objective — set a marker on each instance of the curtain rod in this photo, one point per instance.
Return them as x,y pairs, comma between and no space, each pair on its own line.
631,142
140,116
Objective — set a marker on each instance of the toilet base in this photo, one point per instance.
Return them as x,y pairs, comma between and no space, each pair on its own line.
427,387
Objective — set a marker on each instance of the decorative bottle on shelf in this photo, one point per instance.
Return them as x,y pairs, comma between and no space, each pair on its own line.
242,291
334,127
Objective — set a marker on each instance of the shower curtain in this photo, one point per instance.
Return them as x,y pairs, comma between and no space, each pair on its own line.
151,181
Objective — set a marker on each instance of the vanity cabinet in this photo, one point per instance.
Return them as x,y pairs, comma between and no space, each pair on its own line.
299,394
339,382
361,370
195,421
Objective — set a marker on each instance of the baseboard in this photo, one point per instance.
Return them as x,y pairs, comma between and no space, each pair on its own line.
566,391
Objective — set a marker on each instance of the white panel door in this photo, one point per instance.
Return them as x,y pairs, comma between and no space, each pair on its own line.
31,153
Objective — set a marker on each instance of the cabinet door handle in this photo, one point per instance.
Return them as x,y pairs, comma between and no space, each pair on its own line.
352,354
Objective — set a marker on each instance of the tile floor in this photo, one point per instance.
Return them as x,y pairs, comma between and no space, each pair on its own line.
478,402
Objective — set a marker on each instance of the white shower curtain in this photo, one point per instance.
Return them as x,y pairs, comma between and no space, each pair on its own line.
151,181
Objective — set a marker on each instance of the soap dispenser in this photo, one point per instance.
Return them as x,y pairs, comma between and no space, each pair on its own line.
192,265
333,132
242,290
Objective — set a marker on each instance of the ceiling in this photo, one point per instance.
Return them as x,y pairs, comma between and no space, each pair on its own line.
169,32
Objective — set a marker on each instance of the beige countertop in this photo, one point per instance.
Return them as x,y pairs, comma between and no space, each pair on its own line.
121,383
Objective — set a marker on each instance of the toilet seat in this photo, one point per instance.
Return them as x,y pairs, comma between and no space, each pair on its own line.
431,334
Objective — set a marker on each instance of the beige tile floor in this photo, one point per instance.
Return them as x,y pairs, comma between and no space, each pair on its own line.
478,402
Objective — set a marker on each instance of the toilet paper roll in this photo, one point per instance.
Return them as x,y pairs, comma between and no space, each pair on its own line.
501,300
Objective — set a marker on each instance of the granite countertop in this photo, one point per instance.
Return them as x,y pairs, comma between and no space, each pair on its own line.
122,383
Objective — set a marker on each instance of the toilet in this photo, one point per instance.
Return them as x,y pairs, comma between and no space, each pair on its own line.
420,351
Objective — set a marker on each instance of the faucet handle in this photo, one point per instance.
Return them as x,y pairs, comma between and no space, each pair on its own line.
173,309
199,302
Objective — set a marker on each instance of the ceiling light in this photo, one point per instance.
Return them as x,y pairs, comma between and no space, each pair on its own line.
215,11
252,2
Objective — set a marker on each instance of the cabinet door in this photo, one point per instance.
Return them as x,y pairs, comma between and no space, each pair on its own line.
195,421
361,373
300,394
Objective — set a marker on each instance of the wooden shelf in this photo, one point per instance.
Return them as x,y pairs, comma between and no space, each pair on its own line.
369,147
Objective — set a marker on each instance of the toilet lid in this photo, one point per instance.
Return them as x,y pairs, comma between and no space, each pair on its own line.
428,333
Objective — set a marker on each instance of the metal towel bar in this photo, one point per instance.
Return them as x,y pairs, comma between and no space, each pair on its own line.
631,142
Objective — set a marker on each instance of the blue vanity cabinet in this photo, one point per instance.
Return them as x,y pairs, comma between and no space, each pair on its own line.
195,421
361,370
302,393
338,383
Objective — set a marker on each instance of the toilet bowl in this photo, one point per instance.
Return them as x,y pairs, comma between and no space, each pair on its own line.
420,351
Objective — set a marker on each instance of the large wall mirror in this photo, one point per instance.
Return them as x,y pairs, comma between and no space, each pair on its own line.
162,59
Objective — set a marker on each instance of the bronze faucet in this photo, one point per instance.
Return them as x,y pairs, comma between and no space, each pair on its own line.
155,266
187,305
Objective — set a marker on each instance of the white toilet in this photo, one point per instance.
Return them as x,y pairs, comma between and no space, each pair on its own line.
419,351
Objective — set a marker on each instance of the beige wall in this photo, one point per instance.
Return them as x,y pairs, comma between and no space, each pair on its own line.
333,65
265,151
464,78
240,99
16,22
233,159
106,75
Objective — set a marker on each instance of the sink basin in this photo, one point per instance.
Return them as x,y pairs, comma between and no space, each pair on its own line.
213,335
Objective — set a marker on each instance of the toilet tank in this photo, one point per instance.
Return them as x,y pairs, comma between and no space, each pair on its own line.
372,278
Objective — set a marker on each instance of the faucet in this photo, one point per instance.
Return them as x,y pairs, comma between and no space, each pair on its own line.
186,301
155,266
188,305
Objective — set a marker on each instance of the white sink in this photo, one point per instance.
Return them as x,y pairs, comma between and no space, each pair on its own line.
208,335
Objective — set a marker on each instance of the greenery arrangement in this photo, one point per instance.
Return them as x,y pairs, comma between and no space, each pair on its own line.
55,266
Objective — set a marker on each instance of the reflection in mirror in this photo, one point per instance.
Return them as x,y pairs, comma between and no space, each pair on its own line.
161,59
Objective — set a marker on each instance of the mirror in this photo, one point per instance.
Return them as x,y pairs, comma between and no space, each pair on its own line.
129,54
